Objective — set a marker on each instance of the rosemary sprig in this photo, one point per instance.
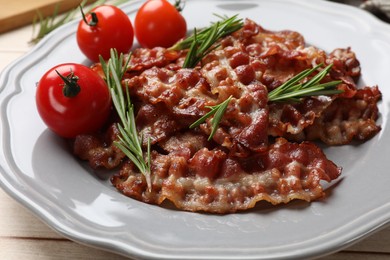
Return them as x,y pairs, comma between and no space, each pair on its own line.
293,90
200,43
129,142
50,23
226,26
218,111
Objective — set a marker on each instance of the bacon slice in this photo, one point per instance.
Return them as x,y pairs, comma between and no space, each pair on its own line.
212,181
99,149
349,119
180,97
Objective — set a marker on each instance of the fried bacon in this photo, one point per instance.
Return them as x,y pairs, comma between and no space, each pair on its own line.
261,150
99,149
212,181
347,119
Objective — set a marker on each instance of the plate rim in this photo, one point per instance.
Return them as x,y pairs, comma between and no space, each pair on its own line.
23,199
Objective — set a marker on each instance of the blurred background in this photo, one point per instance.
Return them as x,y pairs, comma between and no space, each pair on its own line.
17,13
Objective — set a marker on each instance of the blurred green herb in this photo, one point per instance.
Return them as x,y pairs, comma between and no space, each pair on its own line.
48,24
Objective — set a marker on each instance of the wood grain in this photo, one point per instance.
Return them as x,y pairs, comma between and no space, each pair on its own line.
41,249
21,12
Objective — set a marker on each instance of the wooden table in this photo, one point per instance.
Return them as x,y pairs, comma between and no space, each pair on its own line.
24,236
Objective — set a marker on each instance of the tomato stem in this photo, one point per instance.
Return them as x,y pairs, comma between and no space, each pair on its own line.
179,5
94,18
71,88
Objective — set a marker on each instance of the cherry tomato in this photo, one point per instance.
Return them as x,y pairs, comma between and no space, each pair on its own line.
159,23
105,27
73,99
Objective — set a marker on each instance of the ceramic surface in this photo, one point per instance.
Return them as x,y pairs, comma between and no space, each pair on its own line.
38,170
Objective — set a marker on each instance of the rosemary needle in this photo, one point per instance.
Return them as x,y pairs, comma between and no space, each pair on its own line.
218,112
129,142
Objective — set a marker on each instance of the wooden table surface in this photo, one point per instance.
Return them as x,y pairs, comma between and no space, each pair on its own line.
24,236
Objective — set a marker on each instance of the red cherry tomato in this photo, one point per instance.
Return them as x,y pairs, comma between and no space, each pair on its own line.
80,106
113,29
158,23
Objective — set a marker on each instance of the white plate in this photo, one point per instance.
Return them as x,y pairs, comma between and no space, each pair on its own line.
38,170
